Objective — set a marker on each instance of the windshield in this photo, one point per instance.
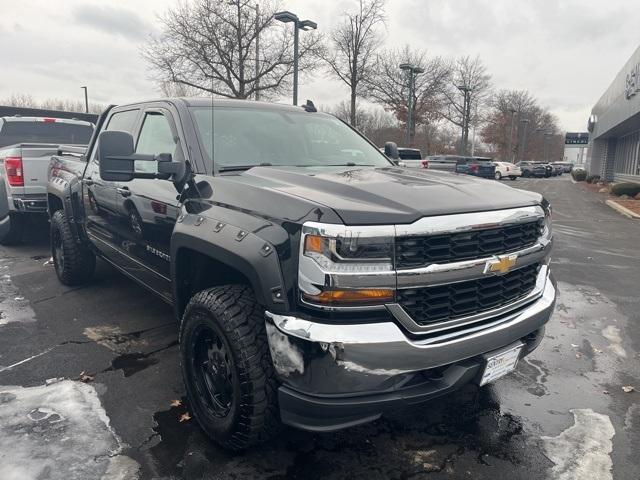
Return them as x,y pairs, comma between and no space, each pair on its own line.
44,132
236,138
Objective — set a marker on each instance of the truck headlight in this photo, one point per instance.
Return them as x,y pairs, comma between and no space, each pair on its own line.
346,266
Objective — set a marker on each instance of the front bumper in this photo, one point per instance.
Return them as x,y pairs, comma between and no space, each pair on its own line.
337,375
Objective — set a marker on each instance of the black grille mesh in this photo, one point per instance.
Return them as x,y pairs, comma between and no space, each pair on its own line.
430,305
418,251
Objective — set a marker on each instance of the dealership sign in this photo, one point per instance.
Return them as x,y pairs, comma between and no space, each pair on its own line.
578,138
633,82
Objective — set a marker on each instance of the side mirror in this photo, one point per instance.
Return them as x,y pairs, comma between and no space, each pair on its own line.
391,150
117,157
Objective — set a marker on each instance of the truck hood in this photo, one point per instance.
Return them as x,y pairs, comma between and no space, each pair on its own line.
391,195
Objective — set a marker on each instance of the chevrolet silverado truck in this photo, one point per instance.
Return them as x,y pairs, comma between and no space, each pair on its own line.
26,146
316,283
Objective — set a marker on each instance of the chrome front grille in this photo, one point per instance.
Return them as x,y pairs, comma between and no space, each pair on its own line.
417,251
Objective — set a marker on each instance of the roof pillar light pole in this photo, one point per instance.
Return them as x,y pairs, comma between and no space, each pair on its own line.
288,17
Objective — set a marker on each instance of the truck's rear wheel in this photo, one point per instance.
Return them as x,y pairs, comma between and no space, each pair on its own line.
16,229
73,263
227,367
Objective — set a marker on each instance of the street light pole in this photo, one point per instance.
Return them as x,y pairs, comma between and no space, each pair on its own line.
466,91
547,137
257,52
510,150
86,100
412,71
298,24
525,123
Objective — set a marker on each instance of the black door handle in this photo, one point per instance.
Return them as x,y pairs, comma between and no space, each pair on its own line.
124,191
87,181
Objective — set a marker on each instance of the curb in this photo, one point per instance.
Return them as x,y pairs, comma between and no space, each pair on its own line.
620,209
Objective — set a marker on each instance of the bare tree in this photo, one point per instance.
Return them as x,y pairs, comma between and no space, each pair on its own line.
209,45
518,128
27,101
468,74
353,46
388,85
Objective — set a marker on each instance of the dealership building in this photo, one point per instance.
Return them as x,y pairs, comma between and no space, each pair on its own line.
614,127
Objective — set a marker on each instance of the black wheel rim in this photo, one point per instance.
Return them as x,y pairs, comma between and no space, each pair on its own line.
58,250
135,224
213,372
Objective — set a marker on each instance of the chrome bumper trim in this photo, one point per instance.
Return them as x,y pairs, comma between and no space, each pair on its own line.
340,358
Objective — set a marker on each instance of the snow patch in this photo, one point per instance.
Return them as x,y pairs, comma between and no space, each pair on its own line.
59,432
582,450
13,306
612,333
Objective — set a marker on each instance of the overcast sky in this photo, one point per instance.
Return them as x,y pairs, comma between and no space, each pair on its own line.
565,52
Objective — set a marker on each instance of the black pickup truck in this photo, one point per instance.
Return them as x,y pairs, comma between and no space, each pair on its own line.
316,283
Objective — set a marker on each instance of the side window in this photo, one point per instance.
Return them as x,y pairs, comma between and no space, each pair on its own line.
123,121
155,137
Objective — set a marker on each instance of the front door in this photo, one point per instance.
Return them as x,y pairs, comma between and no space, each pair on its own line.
148,208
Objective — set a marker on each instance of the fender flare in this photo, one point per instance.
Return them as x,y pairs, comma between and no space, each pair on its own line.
68,191
242,250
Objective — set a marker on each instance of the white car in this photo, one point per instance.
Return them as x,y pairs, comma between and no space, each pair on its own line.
506,169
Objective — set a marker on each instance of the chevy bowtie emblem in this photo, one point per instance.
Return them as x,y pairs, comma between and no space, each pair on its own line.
502,264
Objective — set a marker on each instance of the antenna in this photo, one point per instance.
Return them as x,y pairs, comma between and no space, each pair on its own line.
309,106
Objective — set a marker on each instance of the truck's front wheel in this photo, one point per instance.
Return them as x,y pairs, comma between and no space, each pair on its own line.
73,263
227,367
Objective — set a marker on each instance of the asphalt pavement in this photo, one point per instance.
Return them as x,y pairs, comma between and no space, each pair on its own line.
90,384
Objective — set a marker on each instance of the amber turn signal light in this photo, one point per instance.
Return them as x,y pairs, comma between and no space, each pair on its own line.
369,295
313,243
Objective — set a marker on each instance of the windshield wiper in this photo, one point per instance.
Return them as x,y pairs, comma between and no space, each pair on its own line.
231,168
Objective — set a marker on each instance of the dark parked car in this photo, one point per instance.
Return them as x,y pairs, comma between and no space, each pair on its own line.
531,169
557,169
299,261
566,166
477,166
548,169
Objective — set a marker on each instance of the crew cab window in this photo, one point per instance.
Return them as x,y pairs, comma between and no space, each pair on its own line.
123,121
155,137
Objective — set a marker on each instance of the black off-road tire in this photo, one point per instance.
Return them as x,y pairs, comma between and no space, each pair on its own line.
16,229
497,176
74,263
232,314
